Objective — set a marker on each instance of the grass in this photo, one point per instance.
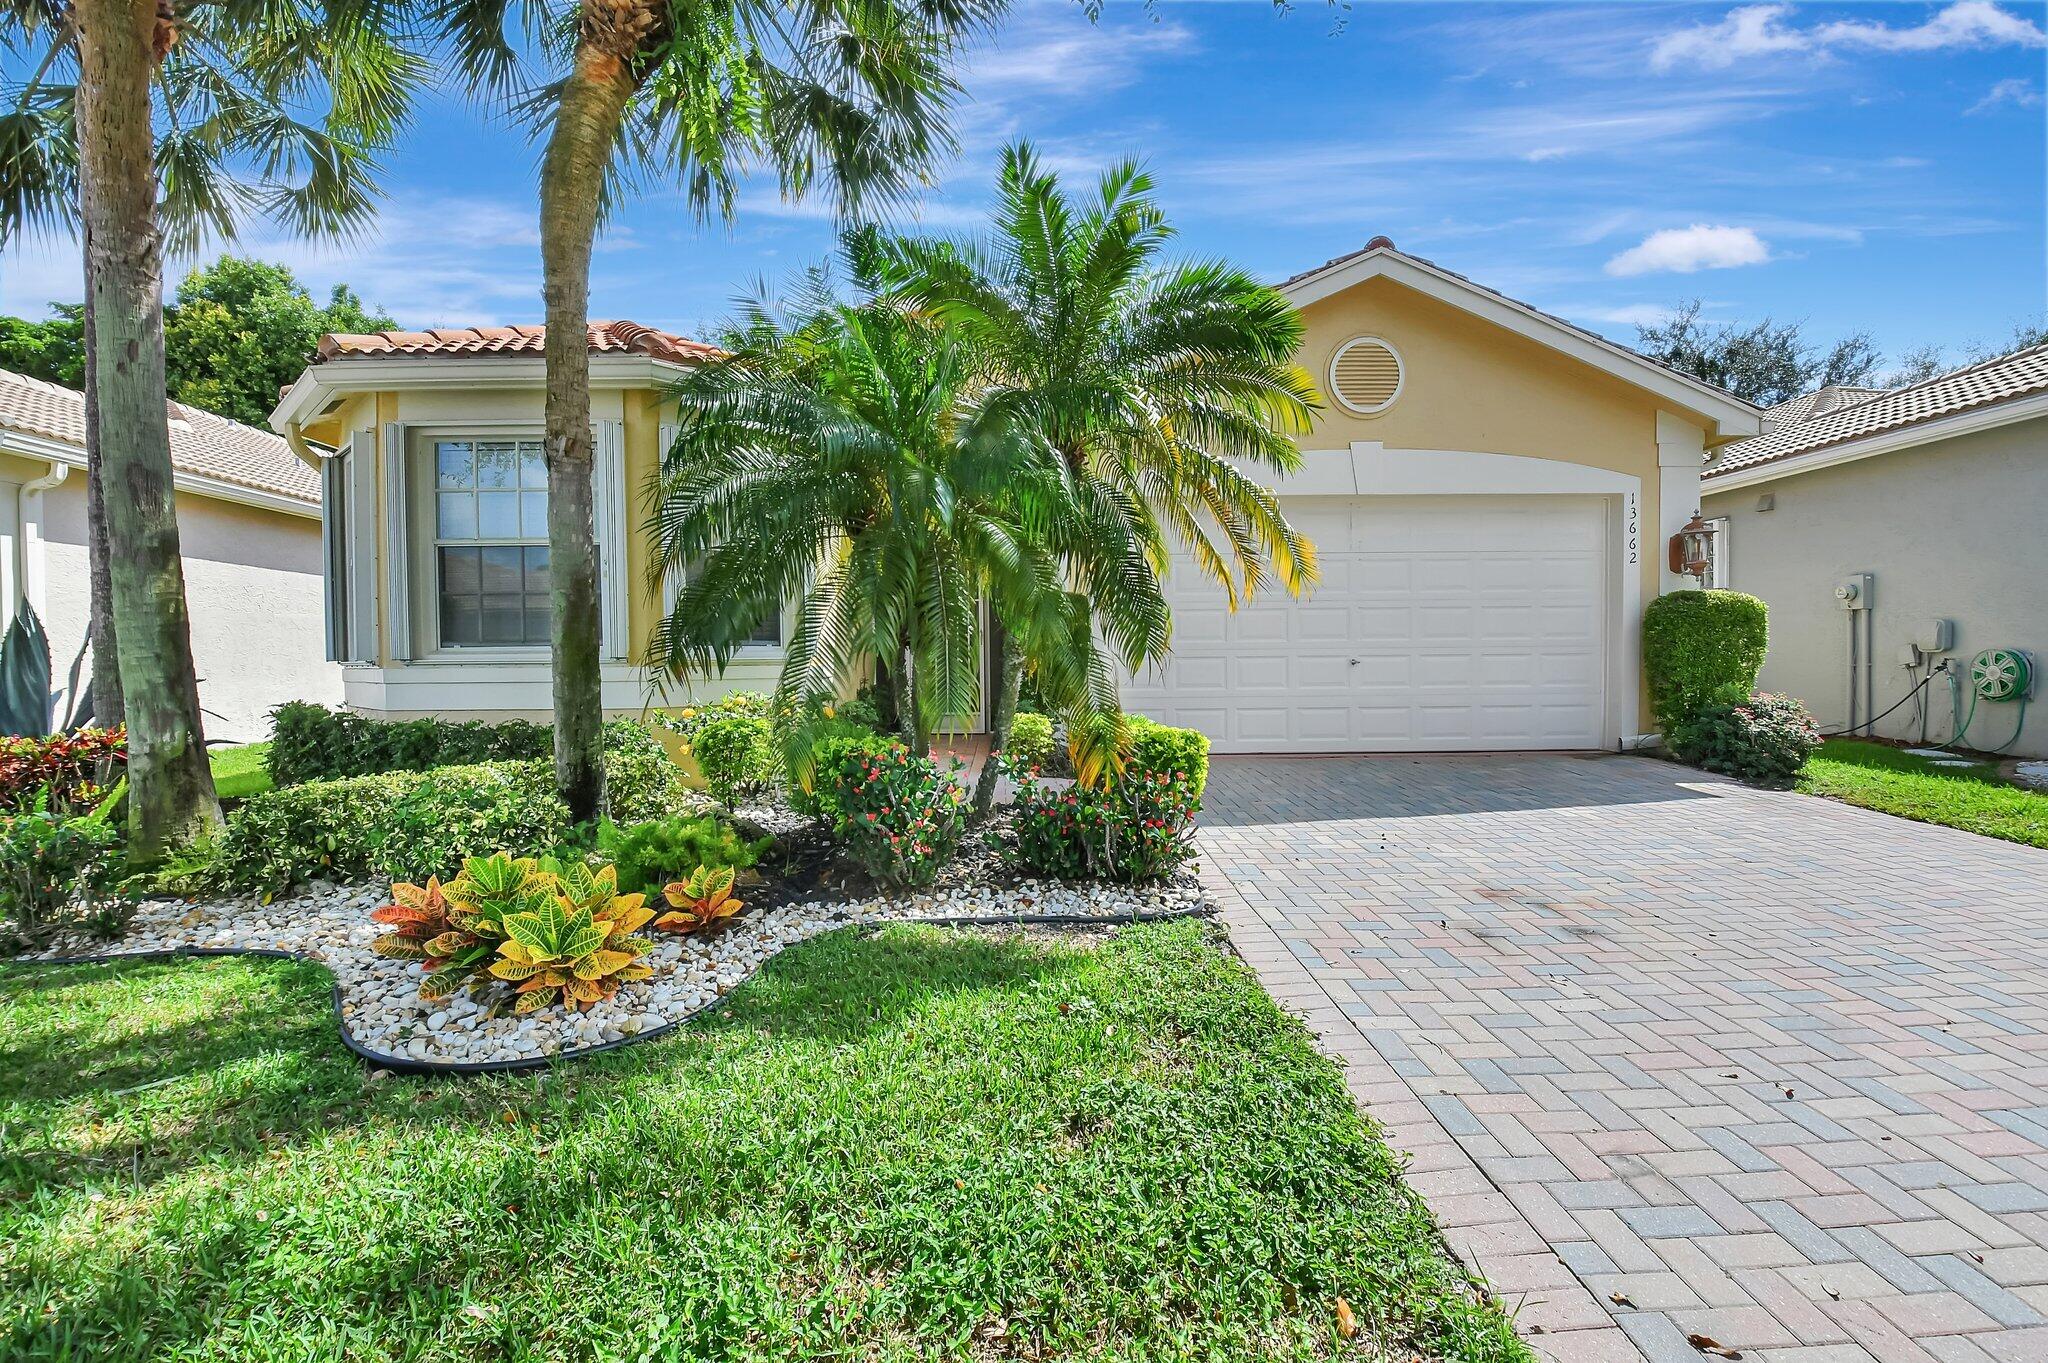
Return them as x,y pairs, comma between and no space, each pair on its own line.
239,772
1888,779
911,1144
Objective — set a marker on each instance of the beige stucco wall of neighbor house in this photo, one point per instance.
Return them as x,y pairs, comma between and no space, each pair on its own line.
1950,529
252,584
1469,385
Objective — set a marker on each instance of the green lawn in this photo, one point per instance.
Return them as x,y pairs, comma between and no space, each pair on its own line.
239,772
912,1144
1973,798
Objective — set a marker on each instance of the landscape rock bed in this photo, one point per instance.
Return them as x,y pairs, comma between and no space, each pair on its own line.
386,1021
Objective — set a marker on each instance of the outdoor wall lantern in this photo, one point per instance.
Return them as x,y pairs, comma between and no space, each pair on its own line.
1692,549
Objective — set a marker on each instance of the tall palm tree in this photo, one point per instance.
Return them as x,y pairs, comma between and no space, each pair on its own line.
849,92
1149,377
159,126
841,459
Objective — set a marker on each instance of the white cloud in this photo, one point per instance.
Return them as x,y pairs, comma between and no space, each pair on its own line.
2017,92
1630,315
1060,51
1752,32
1684,250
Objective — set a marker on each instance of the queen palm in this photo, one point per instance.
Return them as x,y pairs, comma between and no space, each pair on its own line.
1148,377
152,122
840,459
848,92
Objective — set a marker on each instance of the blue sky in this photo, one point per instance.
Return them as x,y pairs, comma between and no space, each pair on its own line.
1871,167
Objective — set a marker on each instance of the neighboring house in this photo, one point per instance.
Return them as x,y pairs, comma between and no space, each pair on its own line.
1937,492
1489,490
249,528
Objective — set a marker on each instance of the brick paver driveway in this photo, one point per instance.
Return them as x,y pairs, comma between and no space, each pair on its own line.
1671,1053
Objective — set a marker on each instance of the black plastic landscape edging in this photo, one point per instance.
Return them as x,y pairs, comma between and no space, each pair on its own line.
402,1064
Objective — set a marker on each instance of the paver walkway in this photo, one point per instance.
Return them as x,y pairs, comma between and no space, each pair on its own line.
1674,1055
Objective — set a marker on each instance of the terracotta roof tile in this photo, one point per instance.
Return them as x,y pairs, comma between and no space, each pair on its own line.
2024,373
605,338
201,443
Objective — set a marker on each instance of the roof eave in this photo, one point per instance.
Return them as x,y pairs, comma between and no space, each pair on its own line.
348,375
1730,417
1984,418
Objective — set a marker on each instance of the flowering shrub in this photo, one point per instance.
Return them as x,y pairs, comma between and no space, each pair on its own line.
900,817
75,768
1160,748
689,719
1764,740
1137,828
1029,745
56,871
830,756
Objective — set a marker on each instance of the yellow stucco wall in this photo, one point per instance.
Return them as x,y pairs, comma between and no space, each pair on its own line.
1470,385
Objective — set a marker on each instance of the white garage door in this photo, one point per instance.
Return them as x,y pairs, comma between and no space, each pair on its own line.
1440,623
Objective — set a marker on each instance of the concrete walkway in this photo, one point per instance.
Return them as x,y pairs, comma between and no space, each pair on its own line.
1674,1057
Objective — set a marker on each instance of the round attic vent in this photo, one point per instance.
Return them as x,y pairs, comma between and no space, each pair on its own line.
1365,375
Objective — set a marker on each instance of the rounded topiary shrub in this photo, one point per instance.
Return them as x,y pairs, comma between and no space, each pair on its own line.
1702,648
1764,739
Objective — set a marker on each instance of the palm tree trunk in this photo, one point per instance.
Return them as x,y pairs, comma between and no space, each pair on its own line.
593,101
107,709
912,707
171,796
1008,683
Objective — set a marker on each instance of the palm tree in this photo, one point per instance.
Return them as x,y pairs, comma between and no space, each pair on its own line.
158,127
850,92
840,459
1150,378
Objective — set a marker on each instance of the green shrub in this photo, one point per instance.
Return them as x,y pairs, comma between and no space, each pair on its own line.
1161,749
1700,648
900,817
1030,742
737,756
1764,740
688,720
829,755
313,743
640,785
56,872
453,813
325,829
649,855
1138,828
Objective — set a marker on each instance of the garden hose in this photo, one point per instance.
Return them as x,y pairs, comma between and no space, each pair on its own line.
1998,674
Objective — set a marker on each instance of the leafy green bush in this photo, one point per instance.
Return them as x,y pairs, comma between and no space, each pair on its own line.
71,771
56,871
829,755
1029,745
1764,740
416,824
688,720
1161,749
737,756
1701,648
313,743
900,817
651,854
1138,828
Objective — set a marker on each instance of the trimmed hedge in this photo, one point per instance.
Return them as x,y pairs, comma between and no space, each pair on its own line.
1702,648
411,825
1160,749
313,743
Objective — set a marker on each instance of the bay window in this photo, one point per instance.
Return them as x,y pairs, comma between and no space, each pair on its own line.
491,542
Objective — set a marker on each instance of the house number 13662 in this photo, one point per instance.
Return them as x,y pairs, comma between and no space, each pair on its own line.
1632,527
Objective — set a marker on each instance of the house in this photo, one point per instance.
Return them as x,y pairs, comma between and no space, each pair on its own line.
1489,490
1928,501
248,526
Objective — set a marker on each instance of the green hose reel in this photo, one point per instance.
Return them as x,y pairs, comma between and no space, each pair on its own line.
2002,674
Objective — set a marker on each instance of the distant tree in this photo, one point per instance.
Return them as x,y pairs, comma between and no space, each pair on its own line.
1915,366
52,349
1766,362
242,329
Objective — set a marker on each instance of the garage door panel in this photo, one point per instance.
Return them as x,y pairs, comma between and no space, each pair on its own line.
1439,623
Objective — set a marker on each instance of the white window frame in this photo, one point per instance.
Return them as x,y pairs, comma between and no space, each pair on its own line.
1717,553
422,461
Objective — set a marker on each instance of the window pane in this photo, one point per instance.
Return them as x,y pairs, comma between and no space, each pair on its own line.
533,515
460,623
497,463
455,516
497,515
533,465
537,620
537,571
769,631
504,620
459,572
452,462
501,569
